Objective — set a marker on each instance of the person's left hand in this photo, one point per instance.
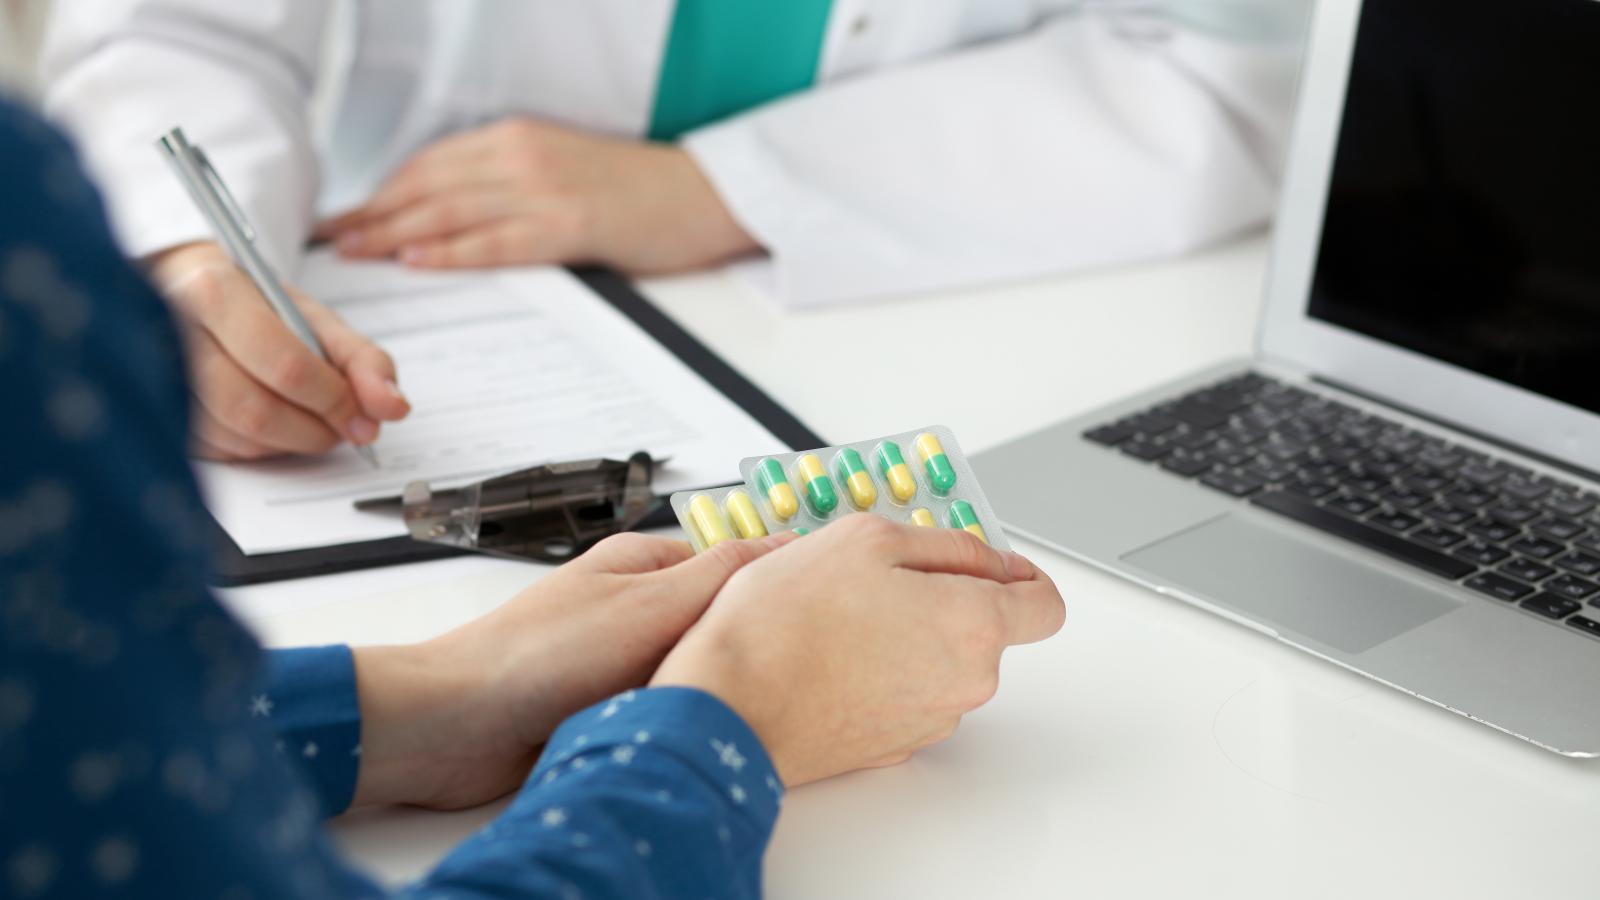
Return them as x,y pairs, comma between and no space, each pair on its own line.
458,721
522,191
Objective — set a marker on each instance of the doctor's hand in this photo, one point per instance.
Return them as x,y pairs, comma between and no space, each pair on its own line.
863,643
458,720
260,391
521,192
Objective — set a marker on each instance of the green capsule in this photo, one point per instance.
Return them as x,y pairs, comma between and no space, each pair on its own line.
802,531
964,517
818,486
892,466
774,485
857,483
941,475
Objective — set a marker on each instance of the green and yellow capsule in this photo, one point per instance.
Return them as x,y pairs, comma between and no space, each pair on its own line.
941,475
963,517
857,481
775,485
921,516
892,466
742,513
709,526
817,484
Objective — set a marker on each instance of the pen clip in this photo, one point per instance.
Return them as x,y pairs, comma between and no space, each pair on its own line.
203,162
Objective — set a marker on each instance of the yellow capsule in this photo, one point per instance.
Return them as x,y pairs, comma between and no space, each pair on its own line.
709,525
921,516
775,485
853,472
742,512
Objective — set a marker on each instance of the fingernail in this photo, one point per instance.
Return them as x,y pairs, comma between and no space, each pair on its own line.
362,430
394,390
1017,565
350,243
411,256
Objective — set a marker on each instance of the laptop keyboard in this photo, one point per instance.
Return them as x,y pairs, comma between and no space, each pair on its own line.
1523,538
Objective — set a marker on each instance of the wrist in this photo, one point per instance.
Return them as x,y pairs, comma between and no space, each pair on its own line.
184,254
415,703
173,266
719,234
710,664
664,192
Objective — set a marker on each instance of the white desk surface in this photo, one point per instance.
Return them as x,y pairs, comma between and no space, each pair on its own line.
1148,750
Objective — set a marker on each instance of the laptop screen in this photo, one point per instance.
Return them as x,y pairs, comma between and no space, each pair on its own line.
1463,217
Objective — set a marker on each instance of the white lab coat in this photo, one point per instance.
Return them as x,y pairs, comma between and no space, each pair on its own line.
947,143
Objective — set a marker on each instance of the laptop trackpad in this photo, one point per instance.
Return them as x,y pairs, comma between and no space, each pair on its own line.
1291,584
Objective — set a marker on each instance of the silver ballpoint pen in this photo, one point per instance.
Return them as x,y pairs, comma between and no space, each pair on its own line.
216,203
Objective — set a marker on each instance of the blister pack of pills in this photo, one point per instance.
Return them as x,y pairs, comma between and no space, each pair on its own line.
918,477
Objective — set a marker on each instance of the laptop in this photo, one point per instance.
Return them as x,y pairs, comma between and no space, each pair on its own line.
1405,479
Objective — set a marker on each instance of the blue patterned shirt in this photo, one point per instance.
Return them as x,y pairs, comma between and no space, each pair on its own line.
148,747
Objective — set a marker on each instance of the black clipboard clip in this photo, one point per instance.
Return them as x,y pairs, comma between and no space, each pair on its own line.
548,513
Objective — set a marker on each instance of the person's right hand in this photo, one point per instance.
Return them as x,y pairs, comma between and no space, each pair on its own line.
261,391
863,643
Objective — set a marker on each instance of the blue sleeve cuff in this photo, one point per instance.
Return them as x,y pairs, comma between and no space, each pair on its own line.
308,696
691,725
653,793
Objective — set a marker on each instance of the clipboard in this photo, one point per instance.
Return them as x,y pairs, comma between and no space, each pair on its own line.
231,567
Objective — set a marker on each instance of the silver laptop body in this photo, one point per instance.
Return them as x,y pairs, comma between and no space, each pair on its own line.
1504,662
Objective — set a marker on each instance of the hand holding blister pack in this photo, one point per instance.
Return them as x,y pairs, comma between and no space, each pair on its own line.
917,477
